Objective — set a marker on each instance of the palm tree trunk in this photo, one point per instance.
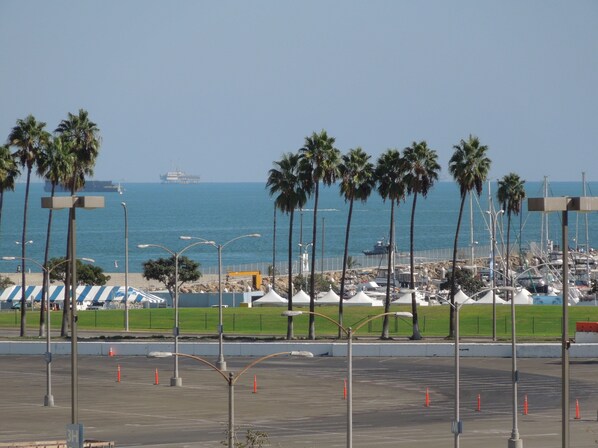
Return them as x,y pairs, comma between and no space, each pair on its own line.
23,256
290,332
344,273
416,336
454,269
385,323
312,278
45,286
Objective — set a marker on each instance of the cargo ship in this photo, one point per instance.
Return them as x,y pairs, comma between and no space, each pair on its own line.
179,177
91,186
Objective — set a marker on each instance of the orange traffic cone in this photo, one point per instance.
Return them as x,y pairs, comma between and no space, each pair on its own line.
255,384
118,374
577,412
345,390
156,378
110,352
525,408
427,402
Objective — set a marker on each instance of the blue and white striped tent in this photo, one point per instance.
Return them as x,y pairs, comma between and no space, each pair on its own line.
97,295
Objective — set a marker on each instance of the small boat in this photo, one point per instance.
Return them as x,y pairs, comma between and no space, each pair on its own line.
380,248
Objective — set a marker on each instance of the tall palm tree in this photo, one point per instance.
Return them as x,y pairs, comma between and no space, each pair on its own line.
390,176
9,171
54,165
357,182
29,137
422,172
284,181
469,165
510,194
319,164
83,138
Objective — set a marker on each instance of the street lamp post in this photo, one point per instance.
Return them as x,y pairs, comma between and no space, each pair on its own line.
493,218
349,332
48,398
176,380
231,379
220,363
124,205
564,205
72,203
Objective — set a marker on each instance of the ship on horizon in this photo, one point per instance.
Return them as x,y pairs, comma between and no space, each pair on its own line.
179,177
91,186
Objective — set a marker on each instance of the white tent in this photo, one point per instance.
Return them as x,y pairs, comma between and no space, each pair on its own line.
270,299
362,299
301,298
523,297
405,299
330,298
462,298
487,298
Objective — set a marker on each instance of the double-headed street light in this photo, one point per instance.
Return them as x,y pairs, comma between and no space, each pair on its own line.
231,379
48,398
176,380
124,205
493,218
220,363
349,331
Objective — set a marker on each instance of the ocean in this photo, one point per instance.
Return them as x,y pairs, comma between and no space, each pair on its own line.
160,214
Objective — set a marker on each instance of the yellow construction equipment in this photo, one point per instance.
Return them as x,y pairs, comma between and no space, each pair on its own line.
256,277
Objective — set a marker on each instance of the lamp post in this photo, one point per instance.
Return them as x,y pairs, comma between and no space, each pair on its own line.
72,203
349,332
48,398
124,205
457,425
23,281
220,363
493,218
176,380
564,205
231,379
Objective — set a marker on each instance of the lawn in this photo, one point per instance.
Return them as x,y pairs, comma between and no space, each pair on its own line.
533,322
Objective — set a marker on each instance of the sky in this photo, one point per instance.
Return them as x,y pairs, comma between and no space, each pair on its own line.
222,89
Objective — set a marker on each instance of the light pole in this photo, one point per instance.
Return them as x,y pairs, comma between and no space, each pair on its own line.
231,379
124,205
74,430
48,398
220,363
564,205
176,380
349,332
493,218
23,281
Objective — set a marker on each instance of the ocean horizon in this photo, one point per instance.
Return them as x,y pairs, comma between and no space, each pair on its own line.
159,214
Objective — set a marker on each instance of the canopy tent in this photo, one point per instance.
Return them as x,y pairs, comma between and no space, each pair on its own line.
523,297
405,299
362,299
330,298
301,298
462,298
270,299
487,298
97,295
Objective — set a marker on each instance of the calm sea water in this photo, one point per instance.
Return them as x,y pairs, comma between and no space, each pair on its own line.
159,214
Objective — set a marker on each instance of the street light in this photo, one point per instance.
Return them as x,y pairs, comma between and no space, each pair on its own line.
124,205
457,425
72,203
564,205
48,398
349,332
231,379
220,362
493,218
176,380
23,281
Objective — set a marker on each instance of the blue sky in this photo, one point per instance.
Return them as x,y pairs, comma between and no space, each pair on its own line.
223,88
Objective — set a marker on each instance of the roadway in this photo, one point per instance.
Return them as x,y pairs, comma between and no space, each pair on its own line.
299,402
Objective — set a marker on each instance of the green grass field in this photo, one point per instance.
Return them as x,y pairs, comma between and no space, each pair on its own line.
533,322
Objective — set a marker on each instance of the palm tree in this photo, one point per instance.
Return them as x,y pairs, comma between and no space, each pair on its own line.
357,182
83,139
510,194
29,137
319,163
422,172
284,180
469,166
55,165
390,176
9,171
